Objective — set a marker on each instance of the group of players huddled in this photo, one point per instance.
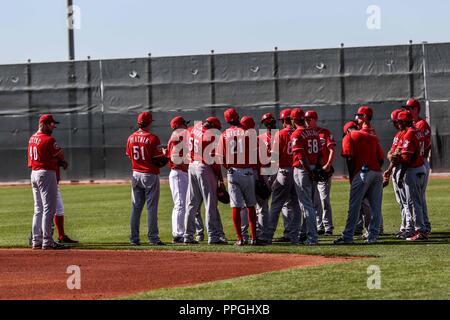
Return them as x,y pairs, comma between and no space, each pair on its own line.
293,165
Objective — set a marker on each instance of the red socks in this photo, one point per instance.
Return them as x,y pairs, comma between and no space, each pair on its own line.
59,223
252,221
236,215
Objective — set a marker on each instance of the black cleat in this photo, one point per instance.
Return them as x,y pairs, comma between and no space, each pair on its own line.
66,239
54,246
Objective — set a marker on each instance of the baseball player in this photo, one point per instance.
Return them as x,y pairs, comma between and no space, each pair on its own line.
43,157
204,177
414,107
59,213
412,172
322,196
306,149
363,118
142,147
394,156
364,160
262,205
178,179
235,152
283,187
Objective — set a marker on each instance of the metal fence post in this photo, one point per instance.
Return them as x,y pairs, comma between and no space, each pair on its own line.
411,69
342,78
212,79
276,81
29,99
89,114
149,82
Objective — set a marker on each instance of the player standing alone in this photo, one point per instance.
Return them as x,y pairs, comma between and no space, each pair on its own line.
43,157
142,146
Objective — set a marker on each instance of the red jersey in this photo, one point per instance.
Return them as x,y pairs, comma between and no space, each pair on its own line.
397,142
326,142
364,149
43,152
200,140
283,145
264,144
238,148
424,127
413,145
180,153
306,144
141,147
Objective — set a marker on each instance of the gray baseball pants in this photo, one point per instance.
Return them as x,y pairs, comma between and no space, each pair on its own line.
202,187
45,189
145,189
305,194
415,187
284,194
425,208
322,205
368,185
407,224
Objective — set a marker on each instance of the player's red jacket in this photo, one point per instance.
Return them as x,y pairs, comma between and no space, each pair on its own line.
424,127
364,149
236,149
413,145
178,138
141,147
283,145
306,145
326,142
43,152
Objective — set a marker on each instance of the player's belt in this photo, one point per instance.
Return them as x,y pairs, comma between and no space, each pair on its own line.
246,171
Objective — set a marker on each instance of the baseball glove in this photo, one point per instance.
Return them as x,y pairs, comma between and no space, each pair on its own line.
262,190
160,161
223,195
323,176
63,164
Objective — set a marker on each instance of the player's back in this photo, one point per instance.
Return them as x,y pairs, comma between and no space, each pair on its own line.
283,146
42,149
141,147
238,147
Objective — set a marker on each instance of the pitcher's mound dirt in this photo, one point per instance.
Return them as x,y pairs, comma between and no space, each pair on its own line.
37,274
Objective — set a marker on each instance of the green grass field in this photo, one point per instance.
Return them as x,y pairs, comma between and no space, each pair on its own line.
98,216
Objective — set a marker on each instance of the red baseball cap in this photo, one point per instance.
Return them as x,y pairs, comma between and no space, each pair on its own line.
267,117
230,115
47,119
405,116
145,118
284,114
394,114
178,121
365,110
311,114
297,114
412,104
248,123
348,125
215,122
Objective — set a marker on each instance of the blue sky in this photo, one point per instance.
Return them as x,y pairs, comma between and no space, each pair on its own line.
36,29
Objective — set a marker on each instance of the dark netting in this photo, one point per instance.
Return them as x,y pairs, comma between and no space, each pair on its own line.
97,102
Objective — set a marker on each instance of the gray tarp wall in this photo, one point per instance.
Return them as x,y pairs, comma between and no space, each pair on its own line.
97,101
